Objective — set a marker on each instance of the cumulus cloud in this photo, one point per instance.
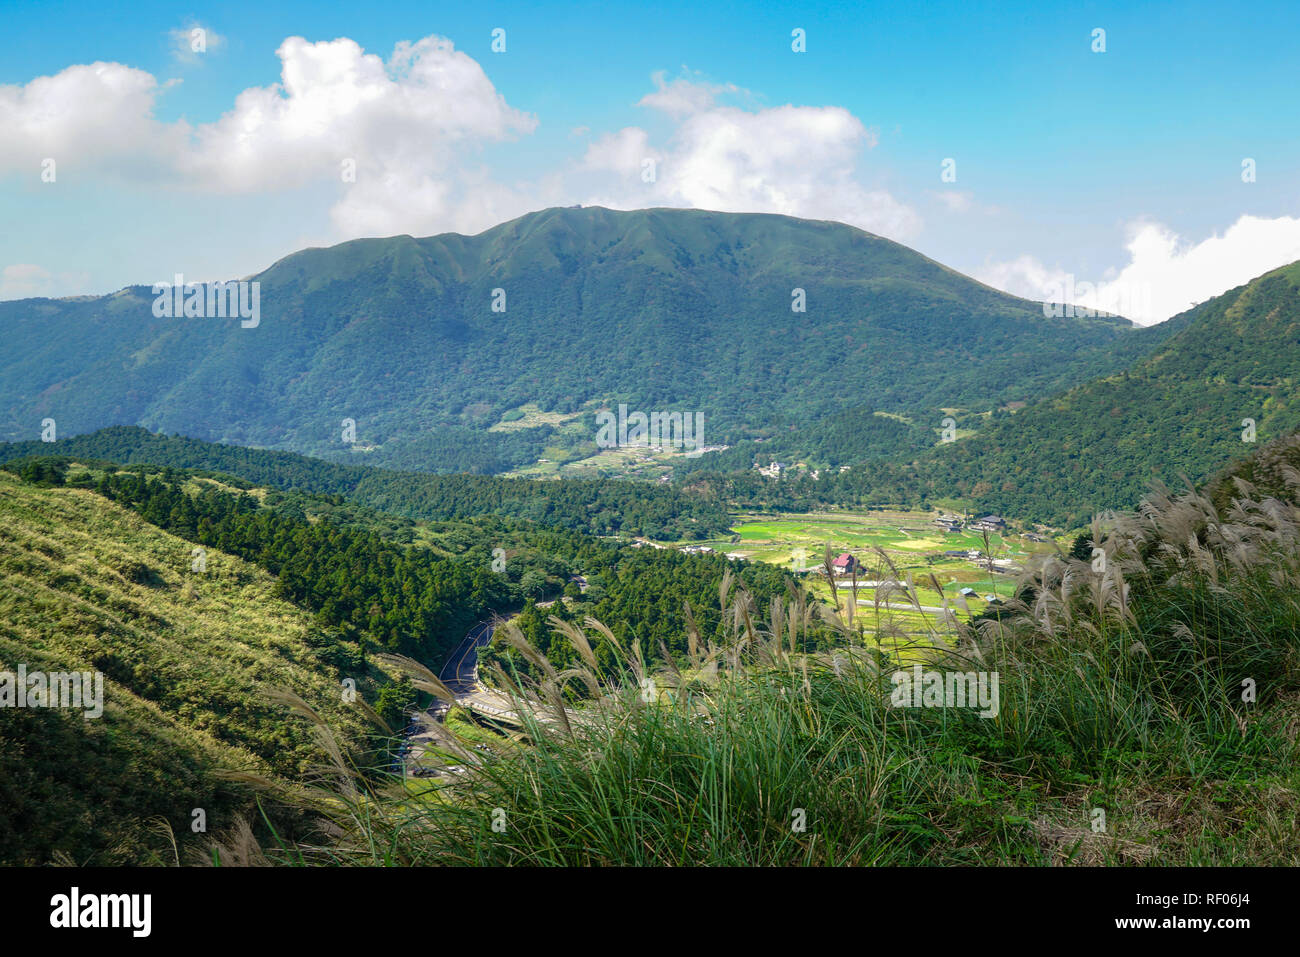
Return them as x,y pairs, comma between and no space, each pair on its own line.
87,116
797,160
1024,276
1165,274
397,137
623,153
398,143
401,135
684,96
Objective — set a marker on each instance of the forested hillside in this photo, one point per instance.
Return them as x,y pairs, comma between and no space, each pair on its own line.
413,588
1180,412
595,506
196,598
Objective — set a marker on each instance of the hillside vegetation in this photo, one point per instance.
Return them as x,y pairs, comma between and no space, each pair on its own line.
97,572
1061,460
1179,411
594,506
186,658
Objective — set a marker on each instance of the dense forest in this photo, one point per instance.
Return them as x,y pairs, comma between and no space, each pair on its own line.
642,597
1182,412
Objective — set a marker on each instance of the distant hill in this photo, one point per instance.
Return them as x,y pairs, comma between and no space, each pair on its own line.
1178,412
666,310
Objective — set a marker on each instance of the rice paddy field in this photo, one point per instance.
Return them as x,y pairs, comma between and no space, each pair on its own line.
910,540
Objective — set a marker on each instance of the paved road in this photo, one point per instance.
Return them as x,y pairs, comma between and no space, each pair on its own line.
460,673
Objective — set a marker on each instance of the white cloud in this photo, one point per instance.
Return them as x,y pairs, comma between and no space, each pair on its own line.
1166,274
1024,276
796,160
962,203
86,116
684,96
622,153
413,127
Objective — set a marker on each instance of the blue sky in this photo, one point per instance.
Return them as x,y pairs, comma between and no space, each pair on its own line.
1122,167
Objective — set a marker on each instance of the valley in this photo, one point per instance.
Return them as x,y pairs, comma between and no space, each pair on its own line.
888,547
845,527
531,442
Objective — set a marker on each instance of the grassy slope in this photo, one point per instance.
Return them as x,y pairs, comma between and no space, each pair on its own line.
85,584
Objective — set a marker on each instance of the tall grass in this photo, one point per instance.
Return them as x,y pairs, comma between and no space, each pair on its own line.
1157,683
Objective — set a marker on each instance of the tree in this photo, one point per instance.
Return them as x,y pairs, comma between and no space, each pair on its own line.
394,702
533,584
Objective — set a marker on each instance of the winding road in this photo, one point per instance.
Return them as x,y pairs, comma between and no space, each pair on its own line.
460,675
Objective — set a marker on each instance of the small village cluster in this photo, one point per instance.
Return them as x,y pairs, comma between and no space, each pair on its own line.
775,470
989,523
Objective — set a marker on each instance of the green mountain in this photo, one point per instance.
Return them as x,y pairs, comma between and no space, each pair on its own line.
666,310
1179,412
